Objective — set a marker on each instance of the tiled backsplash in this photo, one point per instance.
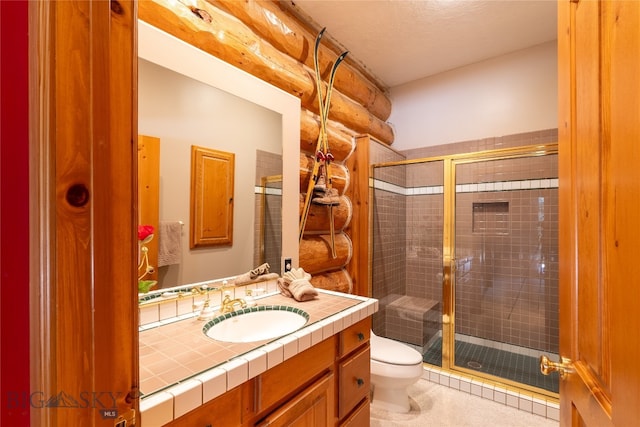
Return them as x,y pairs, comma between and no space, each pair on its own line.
165,309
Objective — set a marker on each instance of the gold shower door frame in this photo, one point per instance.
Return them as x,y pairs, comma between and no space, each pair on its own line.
448,247
264,182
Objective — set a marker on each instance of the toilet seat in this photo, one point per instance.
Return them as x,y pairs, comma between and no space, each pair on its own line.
392,352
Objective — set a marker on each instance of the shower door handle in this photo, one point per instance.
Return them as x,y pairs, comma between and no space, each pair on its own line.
564,367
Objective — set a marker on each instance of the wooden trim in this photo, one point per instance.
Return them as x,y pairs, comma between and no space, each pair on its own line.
149,195
358,229
567,220
41,186
84,138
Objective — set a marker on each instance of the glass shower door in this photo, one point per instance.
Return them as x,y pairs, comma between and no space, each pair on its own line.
407,243
505,262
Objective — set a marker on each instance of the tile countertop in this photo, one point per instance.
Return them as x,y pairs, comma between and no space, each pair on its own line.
181,368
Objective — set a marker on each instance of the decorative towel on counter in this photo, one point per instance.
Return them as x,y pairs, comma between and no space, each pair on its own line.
245,278
259,270
169,243
296,284
252,274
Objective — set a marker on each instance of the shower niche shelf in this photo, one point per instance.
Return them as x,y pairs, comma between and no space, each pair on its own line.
490,217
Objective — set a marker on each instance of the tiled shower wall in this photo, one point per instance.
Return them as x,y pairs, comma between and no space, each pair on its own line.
504,293
507,252
425,229
389,243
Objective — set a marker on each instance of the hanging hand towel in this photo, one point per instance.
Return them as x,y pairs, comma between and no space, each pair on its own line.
169,243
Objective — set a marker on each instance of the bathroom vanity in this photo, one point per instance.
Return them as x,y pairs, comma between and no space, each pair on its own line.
317,375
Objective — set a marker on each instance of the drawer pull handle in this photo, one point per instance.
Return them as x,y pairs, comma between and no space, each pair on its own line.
360,382
360,336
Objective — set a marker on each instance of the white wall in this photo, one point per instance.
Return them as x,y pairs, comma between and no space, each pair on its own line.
509,94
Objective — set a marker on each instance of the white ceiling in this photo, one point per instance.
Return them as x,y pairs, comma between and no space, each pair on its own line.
399,41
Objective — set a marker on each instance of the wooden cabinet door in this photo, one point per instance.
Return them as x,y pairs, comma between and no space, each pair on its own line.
599,146
313,407
212,178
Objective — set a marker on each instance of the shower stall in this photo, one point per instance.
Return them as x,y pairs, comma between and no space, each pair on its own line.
464,261
268,210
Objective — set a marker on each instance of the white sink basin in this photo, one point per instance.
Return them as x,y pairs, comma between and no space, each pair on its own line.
256,323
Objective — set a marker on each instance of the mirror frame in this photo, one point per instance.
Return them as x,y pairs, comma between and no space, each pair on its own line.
165,50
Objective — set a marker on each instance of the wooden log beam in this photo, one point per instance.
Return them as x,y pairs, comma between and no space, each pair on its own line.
289,35
339,174
228,39
315,253
338,280
318,217
341,142
224,36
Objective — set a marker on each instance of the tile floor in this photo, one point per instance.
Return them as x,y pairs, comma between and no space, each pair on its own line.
436,405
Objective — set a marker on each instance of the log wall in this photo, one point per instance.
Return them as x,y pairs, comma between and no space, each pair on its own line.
266,40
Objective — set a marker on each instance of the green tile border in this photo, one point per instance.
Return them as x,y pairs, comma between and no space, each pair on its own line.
242,311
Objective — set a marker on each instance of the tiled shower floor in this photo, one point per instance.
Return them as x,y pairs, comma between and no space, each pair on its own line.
501,363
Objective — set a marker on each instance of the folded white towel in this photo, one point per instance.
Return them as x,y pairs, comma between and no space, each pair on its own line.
296,284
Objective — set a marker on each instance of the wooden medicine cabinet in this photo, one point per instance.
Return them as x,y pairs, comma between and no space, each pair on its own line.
212,173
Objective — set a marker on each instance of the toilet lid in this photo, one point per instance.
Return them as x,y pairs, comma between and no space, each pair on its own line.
393,352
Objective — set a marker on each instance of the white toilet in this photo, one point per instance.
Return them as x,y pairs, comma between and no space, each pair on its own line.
394,367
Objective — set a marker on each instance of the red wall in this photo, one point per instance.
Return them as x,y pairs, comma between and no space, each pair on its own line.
14,213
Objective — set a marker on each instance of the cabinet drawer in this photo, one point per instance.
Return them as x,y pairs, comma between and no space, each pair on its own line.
354,380
283,380
361,417
355,336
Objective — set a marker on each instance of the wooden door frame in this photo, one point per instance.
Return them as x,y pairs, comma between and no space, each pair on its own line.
358,229
83,113
598,109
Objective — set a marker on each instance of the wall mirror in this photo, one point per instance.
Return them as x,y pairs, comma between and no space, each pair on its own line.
190,98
